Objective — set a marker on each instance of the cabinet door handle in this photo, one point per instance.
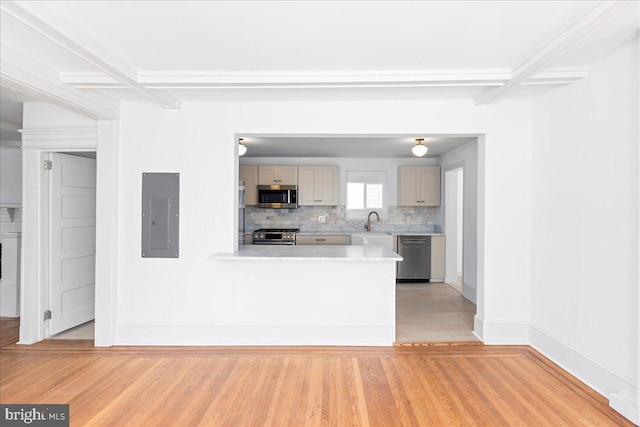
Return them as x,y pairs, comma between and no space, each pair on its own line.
321,240
317,200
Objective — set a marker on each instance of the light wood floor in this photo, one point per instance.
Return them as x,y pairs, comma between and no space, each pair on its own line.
463,385
9,330
432,312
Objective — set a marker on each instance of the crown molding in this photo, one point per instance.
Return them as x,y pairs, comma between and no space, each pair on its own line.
571,35
28,76
245,80
557,76
80,44
70,138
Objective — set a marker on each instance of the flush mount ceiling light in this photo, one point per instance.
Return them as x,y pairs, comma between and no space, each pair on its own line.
241,148
419,149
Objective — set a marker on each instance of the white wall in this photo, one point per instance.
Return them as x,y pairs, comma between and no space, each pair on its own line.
467,156
42,115
198,141
585,225
10,175
388,165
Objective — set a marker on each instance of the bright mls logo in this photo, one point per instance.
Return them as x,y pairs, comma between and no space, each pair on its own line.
35,415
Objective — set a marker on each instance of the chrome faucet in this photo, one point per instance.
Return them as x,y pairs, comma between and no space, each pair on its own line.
368,224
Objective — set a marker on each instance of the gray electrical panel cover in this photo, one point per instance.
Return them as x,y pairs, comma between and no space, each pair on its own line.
160,215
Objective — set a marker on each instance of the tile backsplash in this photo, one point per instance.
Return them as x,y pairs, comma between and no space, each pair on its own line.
393,218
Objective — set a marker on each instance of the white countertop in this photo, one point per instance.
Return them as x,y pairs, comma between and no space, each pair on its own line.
311,253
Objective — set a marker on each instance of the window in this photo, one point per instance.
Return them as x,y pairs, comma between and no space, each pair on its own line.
364,196
365,192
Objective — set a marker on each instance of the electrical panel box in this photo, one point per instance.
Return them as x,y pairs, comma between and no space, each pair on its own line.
160,215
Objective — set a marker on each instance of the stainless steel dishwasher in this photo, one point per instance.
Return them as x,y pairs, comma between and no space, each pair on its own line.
416,254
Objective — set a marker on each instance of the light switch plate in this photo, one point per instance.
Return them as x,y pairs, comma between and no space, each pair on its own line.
322,219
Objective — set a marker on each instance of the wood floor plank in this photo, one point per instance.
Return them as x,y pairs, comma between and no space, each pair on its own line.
511,396
277,390
9,330
455,409
564,413
223,407
206,381
360,393
301,386
427,408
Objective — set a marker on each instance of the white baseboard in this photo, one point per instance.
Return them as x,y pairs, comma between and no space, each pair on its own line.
625,407
620,391
478,328
469,293
501,333
214,335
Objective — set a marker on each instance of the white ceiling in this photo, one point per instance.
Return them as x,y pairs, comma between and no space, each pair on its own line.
89,56
321,36
381,146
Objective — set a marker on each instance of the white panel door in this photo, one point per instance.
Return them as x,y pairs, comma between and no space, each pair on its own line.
72,202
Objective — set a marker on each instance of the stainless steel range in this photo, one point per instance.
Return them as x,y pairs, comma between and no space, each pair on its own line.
275,236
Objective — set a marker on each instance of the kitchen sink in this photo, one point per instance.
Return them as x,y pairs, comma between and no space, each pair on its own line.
372,239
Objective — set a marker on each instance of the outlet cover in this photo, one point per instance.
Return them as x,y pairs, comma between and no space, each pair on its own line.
322,219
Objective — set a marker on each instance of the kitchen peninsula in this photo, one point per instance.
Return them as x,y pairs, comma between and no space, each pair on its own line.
310,295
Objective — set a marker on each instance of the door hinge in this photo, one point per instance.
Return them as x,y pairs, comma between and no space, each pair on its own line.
48,165
47,315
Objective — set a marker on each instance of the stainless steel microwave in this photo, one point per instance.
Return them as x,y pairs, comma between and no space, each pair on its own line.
277,196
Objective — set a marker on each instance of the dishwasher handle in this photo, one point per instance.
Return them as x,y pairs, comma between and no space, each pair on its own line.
414,240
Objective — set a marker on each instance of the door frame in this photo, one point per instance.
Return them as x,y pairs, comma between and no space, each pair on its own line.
102,139
450,168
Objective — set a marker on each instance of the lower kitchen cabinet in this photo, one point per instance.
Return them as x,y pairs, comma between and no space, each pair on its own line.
438,264
319,239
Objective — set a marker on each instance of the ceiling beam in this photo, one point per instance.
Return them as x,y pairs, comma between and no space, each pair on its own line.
26,75
229,80
225,80
552,50
80,44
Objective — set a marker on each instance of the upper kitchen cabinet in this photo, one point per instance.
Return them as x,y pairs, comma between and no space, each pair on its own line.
318,186
419,186
278,175
249,174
